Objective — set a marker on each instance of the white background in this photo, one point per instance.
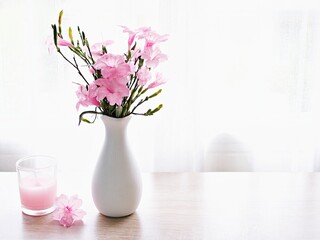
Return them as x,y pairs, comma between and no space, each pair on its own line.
242,93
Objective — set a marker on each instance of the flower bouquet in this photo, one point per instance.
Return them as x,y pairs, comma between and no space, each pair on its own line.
120,83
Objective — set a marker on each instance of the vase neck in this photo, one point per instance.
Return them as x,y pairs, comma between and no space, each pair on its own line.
115,124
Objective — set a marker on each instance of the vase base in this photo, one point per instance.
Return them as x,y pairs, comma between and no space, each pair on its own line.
116,215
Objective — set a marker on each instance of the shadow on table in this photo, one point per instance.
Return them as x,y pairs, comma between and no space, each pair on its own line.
44,227
124,227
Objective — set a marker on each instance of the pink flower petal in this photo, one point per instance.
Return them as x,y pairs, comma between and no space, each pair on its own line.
62,201
58,213
91,70
87,97
50,44
78,214
144,75
159,80
96,49
153,56
67,220
63,43
132,35
75,202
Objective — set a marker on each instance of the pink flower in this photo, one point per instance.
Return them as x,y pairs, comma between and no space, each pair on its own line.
114,66
63,43
50,44
111,89
159,80
116,74
153,56
86,96
151,37
96,49
144,75
68,210
143,30
132,35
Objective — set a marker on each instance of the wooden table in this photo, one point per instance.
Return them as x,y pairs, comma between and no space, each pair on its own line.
237,206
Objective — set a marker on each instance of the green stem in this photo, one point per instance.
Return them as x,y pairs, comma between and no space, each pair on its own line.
81,55
74,65
88,112
141,114
87,44
59,51
77,67
141,101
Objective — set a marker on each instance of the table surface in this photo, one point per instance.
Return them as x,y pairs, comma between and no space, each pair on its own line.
238,206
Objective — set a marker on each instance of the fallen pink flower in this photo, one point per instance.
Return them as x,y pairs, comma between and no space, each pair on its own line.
68,210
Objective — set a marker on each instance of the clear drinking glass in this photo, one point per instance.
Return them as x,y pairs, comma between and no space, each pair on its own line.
37,184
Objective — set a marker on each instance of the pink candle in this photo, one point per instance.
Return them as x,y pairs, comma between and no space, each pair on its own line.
37,184
37,193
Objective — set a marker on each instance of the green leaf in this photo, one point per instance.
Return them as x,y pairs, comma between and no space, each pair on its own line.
81,118
85,120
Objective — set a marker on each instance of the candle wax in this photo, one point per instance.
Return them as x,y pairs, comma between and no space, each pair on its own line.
38,193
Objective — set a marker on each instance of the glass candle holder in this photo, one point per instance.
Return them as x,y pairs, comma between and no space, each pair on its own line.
37,179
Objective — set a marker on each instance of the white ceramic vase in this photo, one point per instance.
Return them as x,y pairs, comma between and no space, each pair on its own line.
116,182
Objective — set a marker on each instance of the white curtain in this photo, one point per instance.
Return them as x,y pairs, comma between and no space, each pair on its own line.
243,90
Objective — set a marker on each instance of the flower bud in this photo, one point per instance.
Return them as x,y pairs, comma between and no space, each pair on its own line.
59,23
71,36
60,17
